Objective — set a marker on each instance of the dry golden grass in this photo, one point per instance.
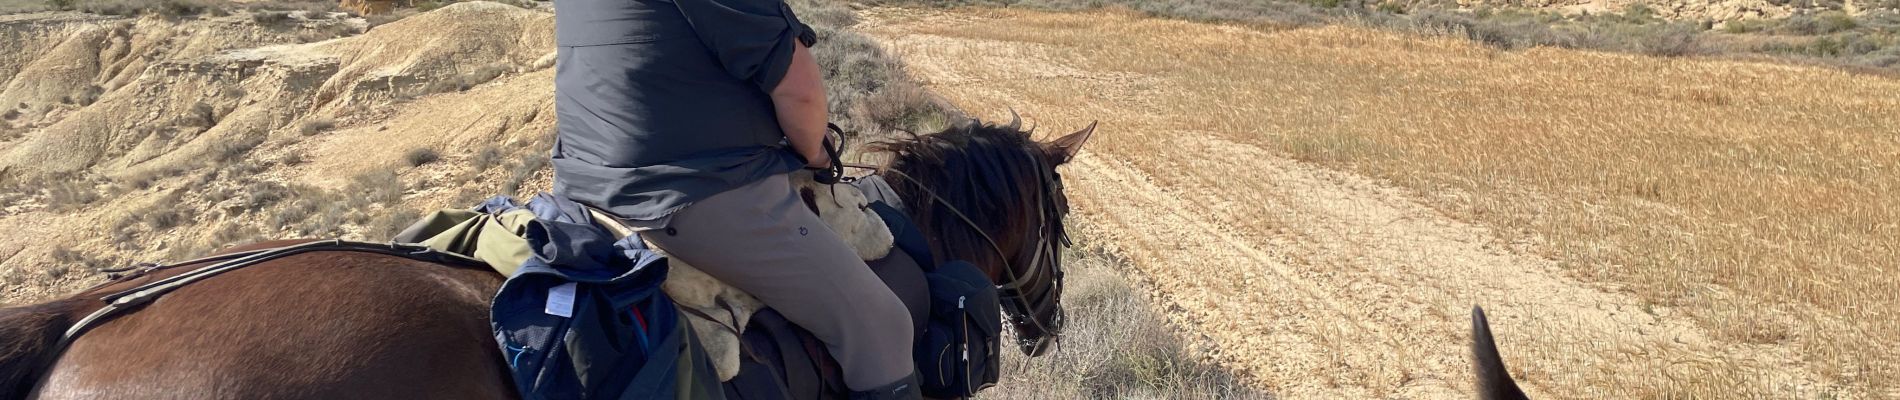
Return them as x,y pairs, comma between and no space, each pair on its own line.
1115,343
1759,201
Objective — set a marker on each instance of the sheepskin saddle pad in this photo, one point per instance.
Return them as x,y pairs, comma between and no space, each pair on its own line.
723,310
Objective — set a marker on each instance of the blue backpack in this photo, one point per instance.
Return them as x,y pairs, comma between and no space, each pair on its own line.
584,317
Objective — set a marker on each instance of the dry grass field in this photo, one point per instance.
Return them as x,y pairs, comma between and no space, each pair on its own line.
1323,205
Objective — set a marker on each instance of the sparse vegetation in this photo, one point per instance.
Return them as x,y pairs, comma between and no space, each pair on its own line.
235,149
261,194
871,95
269,17
487,157
421,156
203,115
85,96
168,8
166,218
467,80
1116,345
524,168
1636,29
377,187
67,194
315,126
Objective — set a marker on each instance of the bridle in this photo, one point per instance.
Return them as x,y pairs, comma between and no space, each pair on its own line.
1014,279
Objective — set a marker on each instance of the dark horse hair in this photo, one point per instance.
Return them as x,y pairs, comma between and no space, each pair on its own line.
1494,381
27,338
998,177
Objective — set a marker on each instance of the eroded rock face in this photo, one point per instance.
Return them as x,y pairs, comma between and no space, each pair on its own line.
122,95
226,123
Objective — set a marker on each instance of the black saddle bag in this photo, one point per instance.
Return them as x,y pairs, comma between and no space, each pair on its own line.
957,351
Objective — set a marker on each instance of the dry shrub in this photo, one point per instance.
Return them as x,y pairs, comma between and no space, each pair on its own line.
468,79
1115,344
261,194
235,149
524,169
390,223
166,8
167,218
420,156
230,234
67,193
376,187
1817,24
488,157
869,91
314,126
27,6
269,17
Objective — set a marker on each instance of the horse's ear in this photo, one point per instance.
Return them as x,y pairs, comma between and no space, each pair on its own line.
1066,147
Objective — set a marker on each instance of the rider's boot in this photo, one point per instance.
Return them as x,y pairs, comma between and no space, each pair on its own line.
903,389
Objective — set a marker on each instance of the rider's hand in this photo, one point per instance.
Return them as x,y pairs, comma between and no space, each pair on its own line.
816,159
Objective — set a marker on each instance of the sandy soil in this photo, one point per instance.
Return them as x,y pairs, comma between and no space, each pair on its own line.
1309,282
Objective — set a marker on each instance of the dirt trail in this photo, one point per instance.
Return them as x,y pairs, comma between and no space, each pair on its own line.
1309,282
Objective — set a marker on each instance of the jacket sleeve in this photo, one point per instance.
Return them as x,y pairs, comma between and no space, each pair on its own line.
753,39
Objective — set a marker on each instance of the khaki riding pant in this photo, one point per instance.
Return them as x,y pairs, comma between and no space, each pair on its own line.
761,238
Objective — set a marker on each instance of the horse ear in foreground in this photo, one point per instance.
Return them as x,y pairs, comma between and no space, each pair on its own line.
1494,382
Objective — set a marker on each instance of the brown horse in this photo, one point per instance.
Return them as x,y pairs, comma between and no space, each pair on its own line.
333,324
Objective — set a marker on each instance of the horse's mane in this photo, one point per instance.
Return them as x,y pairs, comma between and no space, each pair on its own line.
993,174
989,172
28,335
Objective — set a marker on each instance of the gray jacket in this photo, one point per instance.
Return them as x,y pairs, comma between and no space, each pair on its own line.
662,103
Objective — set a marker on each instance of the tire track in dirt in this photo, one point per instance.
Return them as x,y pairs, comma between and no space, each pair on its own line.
1310,282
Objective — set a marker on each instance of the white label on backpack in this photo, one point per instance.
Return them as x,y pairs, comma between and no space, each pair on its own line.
561,301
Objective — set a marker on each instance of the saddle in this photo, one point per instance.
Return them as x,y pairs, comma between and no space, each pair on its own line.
719,312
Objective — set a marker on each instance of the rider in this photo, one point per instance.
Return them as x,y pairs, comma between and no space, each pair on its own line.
683,118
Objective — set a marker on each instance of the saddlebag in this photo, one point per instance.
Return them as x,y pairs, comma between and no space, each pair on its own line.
956,353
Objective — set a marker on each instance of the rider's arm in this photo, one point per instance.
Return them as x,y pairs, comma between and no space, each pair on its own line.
800,102
762,42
